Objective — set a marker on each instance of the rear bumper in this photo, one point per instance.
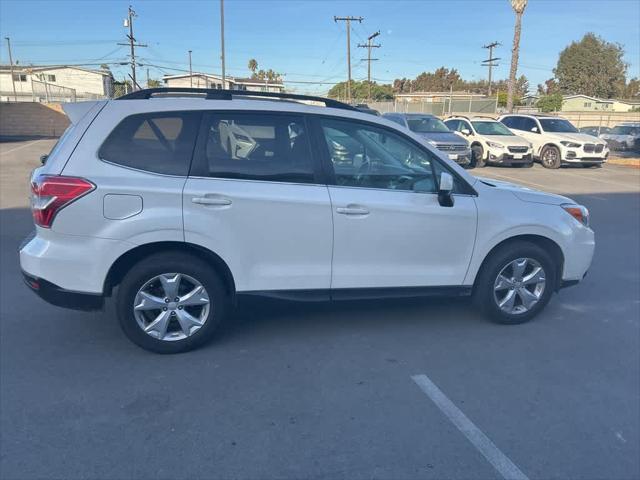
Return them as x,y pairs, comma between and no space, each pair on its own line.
60,297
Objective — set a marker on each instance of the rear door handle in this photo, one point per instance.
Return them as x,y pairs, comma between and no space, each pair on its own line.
212,201
352,210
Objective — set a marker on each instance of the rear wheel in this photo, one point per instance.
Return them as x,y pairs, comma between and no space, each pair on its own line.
477,154
171,303
515,283
550,157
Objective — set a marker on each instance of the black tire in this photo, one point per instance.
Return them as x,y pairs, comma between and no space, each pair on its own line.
477,152
171,262
550,157
483,294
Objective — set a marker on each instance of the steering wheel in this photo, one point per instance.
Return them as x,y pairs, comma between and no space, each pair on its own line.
363,172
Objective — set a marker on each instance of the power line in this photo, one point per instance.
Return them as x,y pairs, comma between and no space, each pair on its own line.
348,20
369,46
489,62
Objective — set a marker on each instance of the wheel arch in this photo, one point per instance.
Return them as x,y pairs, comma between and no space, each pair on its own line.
122,264
543,242
549,144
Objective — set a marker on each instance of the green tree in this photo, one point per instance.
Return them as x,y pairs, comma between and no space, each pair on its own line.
632,89
503,97
591,67
550,103
153,83
360,90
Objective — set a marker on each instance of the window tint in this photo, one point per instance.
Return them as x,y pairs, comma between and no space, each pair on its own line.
155,142
512,122
453,125
396,118
527,124
254,146
370,157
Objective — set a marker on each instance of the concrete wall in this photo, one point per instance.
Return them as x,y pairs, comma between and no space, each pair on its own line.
32,119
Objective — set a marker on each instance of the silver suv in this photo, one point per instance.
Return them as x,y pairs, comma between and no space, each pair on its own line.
434,131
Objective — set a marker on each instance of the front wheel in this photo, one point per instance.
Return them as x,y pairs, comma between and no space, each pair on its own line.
515,283
550,157
171,302
477,154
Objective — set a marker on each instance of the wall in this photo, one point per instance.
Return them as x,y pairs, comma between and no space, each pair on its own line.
32,119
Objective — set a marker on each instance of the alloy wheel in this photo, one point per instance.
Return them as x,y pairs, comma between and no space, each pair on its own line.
519,286
171,306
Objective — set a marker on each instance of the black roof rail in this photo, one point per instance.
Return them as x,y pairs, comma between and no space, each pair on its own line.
219,94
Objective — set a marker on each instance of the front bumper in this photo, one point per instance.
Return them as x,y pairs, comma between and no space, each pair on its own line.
503,157
60,297
578,155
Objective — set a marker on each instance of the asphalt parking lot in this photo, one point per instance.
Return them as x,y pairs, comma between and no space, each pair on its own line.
341,390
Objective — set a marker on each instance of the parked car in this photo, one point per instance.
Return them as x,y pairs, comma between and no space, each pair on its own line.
436,133
596,131
141,201
363,107
556,141
492,142
625,136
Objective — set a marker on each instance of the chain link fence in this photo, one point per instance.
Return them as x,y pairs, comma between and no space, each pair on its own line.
487,106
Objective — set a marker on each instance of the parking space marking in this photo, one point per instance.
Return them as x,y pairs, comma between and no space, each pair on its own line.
33,142
485,446
587,177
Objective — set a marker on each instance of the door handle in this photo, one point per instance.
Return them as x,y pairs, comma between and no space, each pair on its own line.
352,211
212,201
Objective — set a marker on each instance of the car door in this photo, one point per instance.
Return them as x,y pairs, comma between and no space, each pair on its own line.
262,210
389,228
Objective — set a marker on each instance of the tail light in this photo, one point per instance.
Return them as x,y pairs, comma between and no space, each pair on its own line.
51,193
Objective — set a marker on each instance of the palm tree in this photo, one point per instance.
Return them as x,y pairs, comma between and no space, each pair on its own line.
518,7
253,66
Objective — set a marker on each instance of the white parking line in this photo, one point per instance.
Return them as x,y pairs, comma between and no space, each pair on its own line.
4,152
486,447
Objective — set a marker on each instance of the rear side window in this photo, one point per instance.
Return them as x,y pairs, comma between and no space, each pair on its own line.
254,146
454,125
155,142
512,122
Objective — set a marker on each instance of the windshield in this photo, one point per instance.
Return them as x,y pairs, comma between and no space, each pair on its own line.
624,130
559,125
491,128
426,125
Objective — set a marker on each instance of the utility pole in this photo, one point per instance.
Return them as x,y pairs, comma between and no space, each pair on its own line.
13,82
147,78
348,20
369,46
190,71
128,22
489,62
222,41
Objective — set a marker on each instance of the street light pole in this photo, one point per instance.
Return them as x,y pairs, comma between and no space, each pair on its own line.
190,71
222,41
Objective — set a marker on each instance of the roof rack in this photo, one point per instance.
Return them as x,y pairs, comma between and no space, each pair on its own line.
219,94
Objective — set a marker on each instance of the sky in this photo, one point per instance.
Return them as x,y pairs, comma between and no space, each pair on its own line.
300,39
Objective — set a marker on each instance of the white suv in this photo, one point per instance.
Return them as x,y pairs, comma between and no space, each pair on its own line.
492,142
556,141
141,198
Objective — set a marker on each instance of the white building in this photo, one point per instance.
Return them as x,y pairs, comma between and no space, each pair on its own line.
207,80
54,83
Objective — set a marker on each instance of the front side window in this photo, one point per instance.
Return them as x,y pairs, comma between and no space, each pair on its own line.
160,142
453,125
528,124
512,122
491,128
370,157
254,146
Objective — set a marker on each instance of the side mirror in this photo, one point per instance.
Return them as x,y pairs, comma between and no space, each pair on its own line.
465,131
534,129
445,190
43,158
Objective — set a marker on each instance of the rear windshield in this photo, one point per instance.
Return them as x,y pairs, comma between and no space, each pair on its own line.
155,142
